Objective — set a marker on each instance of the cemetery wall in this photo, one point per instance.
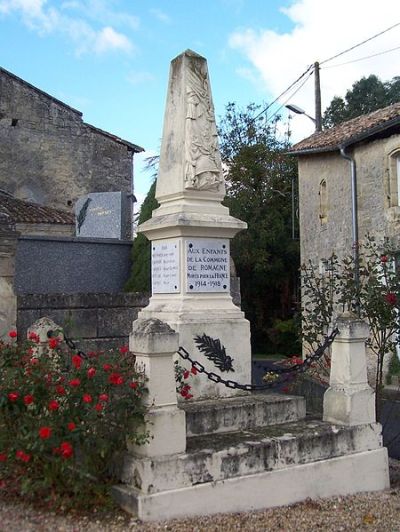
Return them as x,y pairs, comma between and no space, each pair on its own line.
48,155
68,265
93,321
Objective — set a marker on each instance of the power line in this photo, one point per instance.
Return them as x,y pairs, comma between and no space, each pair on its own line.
291,95
284,92
360,43
363,58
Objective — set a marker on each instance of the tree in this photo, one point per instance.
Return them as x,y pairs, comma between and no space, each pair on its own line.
365,96
259,178
140,278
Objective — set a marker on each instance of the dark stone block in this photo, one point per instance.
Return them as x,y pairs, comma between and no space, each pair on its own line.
70,265
114,322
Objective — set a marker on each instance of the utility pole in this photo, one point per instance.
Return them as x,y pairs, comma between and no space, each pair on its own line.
317,89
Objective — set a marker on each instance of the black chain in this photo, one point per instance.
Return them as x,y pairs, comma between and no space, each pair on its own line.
72,345
283,374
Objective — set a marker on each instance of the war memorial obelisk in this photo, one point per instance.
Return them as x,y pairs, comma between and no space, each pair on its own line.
190,233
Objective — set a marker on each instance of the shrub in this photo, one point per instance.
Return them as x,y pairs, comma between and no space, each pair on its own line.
64,418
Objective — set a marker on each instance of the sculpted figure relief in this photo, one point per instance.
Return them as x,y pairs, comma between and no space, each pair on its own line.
203,167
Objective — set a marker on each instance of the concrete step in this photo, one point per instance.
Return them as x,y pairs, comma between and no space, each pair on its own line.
242,413
223,456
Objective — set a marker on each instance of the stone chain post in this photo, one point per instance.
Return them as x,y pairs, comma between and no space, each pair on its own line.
154,344
349,399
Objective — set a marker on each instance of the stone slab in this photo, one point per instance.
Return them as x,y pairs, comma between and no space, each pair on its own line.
104,215
218,457
344,475
242,413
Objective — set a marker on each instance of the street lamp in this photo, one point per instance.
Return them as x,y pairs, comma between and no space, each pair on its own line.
299,111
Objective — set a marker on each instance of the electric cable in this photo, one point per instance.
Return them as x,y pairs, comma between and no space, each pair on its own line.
363,58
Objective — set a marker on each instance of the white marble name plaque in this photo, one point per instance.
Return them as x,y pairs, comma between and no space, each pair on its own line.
207,265
165,267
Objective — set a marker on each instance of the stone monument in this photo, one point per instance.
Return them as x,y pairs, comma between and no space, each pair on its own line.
104,215
190,234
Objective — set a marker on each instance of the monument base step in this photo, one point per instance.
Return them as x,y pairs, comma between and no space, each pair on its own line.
242,413
344,475
219,457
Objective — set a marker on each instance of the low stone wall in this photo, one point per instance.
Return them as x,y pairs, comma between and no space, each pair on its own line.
67,265
93,321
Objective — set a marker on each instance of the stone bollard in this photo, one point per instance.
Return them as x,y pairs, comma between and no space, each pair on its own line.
45,328
349,400
154,344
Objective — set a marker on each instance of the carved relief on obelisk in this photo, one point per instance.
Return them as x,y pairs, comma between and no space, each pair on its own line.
202,160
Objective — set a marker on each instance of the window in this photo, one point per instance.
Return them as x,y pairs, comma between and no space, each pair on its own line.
394,178
323,202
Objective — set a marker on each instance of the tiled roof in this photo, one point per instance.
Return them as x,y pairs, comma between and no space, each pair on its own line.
26,212
350,132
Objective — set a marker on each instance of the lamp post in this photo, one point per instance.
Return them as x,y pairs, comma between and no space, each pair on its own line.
299,111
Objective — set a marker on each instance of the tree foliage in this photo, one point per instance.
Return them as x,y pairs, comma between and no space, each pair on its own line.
366,95
259,176
140,278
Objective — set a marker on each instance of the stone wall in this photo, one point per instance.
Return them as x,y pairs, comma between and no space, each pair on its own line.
93,321
8,246
49,155
319,239
59,265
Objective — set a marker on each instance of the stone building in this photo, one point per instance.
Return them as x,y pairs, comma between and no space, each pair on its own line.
49,155
368,145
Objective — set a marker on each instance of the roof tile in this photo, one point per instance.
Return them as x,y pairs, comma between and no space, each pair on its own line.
26,212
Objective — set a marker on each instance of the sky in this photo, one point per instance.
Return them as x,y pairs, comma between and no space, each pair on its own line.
110,58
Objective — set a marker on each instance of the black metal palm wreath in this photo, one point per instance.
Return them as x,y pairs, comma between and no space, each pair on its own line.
214,351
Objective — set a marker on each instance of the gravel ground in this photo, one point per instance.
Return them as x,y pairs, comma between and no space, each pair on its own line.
368,511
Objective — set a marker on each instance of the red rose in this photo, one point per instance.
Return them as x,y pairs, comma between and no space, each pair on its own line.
87,398
91,372
391,298
185,390
133,385
60,389
103,397
71,426
54,405
186,374
124,349
44,433
107,367
12,334
194,370
66,449
98,407
28,399
384,258
34,361
53,343
3,457
76,361
34,337
115,378
22,456
13,396
74,383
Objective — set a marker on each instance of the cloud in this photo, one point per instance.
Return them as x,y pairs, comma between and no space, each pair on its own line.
137,78
101,11
43,18
108,39
161,16
319,31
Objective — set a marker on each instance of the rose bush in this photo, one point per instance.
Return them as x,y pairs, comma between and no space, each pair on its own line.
62,425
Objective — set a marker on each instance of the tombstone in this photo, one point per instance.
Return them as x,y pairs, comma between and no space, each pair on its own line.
104,215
